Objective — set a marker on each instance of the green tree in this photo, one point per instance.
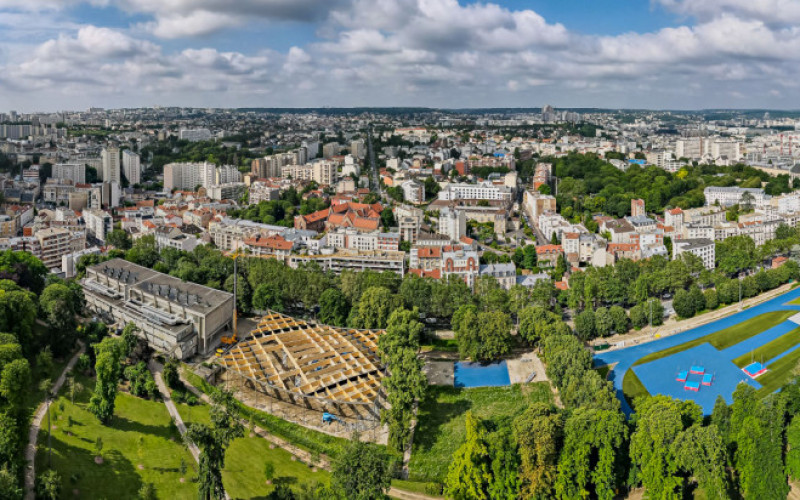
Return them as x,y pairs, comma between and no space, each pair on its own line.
538,431
585,324
48,485
683,304
58,304
213,441
700,452
619,319
589,433
119,239
505,482
374,308
406,382
658,424
108,368
603,322
9,487
144,252
14,382
711,299
793,448
470,473
17,316
361,472
757,431
269,296
333,307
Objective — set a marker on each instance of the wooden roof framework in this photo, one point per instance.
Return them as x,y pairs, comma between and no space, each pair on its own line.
332,364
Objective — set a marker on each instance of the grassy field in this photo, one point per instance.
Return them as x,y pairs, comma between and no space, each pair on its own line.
245,460
727,337
632,387
770,349
441,421
779,373
119,476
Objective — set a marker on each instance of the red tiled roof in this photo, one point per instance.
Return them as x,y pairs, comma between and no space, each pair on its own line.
435,273
544,249
275,242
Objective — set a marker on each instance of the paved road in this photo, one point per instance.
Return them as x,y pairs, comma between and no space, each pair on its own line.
624,358
33,433
375,182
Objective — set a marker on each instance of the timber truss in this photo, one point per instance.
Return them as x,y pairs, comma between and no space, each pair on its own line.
309,360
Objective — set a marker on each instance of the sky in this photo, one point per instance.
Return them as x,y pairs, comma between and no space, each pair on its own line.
657,54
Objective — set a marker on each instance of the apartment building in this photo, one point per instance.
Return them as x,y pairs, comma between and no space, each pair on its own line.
74,172
111,165
413,192
187,176
480,191
702,247
132,166
354,261
98,223
53,244
729,196
352,239
321,172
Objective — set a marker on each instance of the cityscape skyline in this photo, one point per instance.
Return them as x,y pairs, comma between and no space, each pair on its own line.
663,54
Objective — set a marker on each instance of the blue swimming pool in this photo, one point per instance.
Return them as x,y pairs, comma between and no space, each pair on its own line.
467,374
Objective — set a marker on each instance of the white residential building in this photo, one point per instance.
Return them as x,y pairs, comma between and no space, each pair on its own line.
452,223
98,223
480,191
413,192
132,166
75,172
701,247
190,175
729,196
111,165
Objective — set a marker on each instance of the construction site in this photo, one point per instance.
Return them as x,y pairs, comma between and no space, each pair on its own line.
318,376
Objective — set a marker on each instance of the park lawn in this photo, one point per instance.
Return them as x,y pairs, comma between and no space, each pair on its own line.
119,475
442,414
243,475
632,387
771,349
727,337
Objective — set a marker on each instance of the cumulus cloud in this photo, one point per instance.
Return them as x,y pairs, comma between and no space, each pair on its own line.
778,12
415,52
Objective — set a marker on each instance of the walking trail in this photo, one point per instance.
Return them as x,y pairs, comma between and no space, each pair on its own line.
38,416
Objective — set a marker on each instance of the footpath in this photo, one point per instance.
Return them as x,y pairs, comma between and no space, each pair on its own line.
36,424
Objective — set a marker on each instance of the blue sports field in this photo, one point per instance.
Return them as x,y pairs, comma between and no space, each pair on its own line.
660,376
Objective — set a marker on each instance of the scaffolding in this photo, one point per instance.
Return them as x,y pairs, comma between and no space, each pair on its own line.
301,370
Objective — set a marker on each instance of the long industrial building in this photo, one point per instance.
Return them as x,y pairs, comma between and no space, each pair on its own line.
183,319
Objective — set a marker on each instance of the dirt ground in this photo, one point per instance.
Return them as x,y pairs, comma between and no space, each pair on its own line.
521,367
439,372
